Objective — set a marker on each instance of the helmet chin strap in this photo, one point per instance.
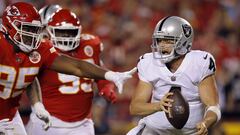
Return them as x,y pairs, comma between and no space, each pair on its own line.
171,58
167,60
24,48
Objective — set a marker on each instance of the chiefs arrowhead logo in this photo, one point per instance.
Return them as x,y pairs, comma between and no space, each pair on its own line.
13,11
187,30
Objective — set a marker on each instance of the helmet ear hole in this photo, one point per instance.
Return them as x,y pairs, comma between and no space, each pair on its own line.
182,49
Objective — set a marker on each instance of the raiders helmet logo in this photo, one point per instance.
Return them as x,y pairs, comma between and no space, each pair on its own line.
187,30
13,11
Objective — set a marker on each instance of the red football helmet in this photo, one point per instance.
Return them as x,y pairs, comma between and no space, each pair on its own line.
21,21
64,29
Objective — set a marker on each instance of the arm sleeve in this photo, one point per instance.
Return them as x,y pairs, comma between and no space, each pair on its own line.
49,56
140,70
208,66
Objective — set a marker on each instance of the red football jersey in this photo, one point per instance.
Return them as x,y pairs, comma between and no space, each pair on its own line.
18,70
68,97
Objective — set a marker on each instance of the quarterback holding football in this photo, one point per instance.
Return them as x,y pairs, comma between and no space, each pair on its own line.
172,63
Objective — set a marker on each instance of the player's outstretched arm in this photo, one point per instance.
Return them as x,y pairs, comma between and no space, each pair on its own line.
68,65
209,96
33,92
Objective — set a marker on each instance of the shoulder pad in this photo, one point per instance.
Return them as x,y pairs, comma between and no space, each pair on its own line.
88,37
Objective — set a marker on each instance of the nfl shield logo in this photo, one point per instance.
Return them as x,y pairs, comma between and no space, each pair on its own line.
34,57
88,50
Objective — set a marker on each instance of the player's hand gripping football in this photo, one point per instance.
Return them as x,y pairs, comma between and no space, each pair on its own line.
202,129
6,124
119,77
42,114
165,103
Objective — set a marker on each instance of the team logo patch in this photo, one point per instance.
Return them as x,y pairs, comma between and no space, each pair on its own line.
173,78
34,57
187,30
88,50
13,11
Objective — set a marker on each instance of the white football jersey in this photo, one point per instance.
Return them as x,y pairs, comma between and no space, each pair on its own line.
194,68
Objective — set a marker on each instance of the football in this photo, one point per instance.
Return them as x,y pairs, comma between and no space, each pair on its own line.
179,112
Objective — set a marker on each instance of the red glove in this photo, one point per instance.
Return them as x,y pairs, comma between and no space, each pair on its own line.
107,90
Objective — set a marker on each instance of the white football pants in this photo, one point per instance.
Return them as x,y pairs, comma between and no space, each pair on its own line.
59,127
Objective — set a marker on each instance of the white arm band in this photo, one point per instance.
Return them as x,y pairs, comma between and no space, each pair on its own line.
216,110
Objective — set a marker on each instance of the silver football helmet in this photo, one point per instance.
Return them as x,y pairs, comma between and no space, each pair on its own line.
47,11
176,30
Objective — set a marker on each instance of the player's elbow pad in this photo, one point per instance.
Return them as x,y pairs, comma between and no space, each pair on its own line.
216,110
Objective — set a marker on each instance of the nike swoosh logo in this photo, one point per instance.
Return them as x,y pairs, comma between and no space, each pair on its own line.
205,57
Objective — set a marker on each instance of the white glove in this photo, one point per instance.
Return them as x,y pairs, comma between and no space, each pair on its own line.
6,124
119,77
42,114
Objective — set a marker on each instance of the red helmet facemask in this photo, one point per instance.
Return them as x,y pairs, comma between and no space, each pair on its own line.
22,23
64,29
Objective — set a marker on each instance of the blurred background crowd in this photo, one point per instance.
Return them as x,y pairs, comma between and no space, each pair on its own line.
126,26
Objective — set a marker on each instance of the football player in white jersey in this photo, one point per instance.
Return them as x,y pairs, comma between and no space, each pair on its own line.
173,63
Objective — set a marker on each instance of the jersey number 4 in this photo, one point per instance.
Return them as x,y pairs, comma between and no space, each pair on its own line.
211,65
